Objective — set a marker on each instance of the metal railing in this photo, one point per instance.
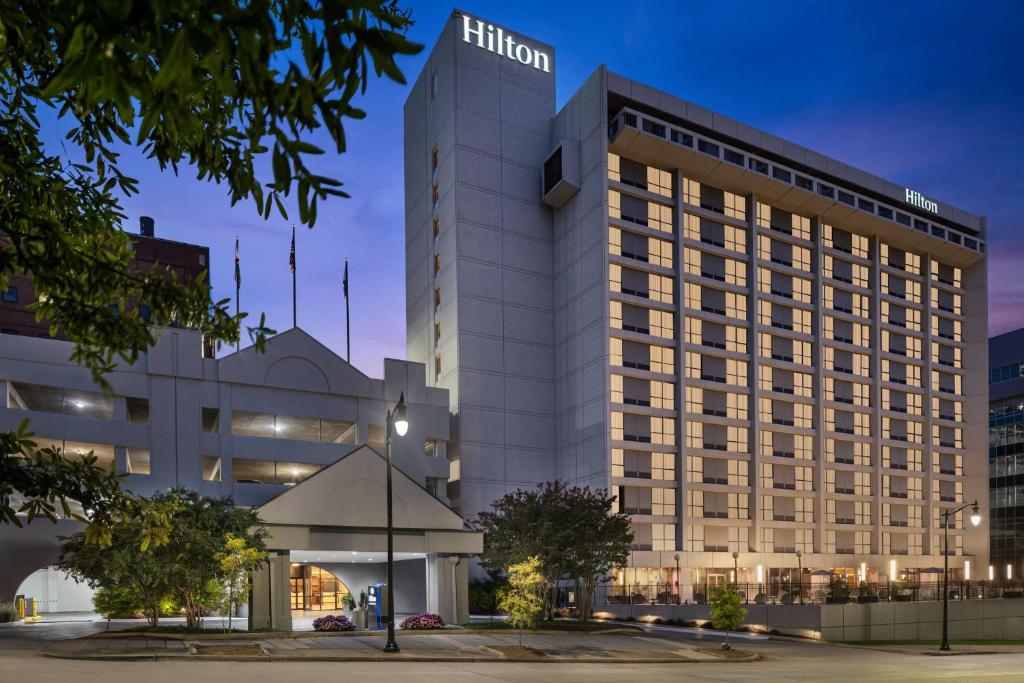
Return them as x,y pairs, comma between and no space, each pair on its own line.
835,593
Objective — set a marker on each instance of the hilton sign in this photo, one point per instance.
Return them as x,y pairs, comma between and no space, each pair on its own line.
493,39
920,201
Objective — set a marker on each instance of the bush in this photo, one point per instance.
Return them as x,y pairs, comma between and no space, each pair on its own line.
118,603
333,622
483,595
8,612
420,622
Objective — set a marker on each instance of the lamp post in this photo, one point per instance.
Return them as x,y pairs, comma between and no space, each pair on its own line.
735,568
800,573
679,585
395,420
975,521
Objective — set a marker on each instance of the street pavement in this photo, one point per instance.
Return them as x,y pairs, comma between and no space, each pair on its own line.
781,660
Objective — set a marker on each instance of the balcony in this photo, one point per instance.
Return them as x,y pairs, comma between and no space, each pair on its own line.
844,489
785,486
708,377
714,412
786,422
897,465
844,461
897,494
844,520
783,390
715,480
947,470
712,446
779,517
783,454
715,514
898,522
947,498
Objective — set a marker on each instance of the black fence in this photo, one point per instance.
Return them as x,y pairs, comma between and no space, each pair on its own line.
834,593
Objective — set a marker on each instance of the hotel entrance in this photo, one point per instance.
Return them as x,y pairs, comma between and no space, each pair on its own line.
314,589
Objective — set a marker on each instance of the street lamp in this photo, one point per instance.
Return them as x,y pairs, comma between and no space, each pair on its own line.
735,568
800,572
679,586
975,521
397,421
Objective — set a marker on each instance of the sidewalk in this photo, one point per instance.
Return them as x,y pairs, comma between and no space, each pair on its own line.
976,648
608,648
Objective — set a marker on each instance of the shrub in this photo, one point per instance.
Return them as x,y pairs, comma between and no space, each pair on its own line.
423,621
8,612
333,622
118,603
483,595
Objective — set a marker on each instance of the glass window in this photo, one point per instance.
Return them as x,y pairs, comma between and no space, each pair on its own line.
246,471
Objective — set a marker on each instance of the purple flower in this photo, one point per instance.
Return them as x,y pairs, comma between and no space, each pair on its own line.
422,621
333,622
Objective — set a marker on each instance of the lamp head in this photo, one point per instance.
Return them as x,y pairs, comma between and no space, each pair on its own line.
735,555
975,515
799,553
401,423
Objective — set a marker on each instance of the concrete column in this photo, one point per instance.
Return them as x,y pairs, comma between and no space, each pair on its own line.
448,587
270,598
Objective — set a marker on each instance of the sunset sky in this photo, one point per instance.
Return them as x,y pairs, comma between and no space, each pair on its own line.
929,95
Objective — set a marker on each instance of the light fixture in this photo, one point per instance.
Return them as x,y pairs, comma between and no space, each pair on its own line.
355,552
79,404
863,571
967,570
991,573
1009,572
295,471
760,573
401,423
892,570
975,515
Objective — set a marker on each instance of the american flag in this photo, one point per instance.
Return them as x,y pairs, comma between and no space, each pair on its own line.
238,266
344,282
291,256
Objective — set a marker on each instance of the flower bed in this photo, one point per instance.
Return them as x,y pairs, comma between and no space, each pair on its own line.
423,621
333,622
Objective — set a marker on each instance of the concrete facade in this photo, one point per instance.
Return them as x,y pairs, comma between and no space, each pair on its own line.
760,349
250,425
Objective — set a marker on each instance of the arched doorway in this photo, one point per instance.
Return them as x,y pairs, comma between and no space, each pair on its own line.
314,589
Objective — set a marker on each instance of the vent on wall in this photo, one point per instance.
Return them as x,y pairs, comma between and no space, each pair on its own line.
560,174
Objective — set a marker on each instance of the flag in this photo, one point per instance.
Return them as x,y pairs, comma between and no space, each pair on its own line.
238,267
291,257
344,282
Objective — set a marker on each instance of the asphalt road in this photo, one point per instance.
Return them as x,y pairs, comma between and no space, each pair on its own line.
783,661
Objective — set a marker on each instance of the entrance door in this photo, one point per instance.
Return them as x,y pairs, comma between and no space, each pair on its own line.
298,596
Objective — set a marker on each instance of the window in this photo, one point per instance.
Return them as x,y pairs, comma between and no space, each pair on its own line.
211,420
734,157
268,425
245,471
11,295
138,410
137,460
45,399
211,468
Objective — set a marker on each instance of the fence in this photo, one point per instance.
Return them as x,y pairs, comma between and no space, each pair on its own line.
834,593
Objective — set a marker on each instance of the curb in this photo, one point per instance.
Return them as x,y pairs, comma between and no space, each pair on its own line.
274,635
750,657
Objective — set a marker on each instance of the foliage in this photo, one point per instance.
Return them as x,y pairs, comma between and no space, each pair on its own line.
424,621
229,88
364,602
347,601
571,530
727,610
185,566
46,483
333,622
232,89
8,612
521,600
237,562
483,595
125,602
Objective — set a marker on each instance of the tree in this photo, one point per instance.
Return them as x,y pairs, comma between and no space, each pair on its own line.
237,562
232,89
119,564
602,540
521,599
571,530
185,565
524,524
727,611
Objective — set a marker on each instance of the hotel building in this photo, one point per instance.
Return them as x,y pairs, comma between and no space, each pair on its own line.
1006,451
761,350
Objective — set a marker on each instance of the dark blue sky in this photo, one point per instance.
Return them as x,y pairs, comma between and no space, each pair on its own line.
927,94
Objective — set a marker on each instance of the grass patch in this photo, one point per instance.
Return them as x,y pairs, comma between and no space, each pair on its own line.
576,626
936,642
181,629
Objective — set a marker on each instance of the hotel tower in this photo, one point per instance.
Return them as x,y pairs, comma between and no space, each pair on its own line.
759,349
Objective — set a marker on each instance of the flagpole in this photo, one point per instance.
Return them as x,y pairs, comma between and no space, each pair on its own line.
348,334
238,294
295,314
